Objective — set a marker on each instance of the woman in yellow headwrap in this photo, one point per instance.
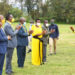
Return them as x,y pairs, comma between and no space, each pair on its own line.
37,44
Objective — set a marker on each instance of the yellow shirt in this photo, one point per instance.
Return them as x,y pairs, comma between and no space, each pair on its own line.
9,22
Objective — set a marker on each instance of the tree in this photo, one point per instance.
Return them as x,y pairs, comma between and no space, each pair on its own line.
17,13
61,10
30,5
4,8
21,2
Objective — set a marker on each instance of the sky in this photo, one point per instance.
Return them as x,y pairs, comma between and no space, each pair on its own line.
43,1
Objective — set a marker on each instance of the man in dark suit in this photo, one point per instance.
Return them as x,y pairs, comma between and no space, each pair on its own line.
22,42
11,43
3,44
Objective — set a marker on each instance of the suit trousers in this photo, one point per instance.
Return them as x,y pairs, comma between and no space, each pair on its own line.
21,54
9,55
44,52
2,56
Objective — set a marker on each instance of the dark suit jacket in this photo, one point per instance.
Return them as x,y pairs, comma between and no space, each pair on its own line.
3,42
46,36
22,37
56,33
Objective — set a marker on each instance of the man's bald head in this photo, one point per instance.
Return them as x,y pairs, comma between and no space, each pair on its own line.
22,20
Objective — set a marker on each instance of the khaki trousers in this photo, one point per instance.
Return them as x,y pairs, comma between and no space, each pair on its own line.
52,44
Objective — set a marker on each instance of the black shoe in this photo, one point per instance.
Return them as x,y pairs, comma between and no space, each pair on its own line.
50,54
42,62
9,73
12,72
55,53
45,62
29,51
21,66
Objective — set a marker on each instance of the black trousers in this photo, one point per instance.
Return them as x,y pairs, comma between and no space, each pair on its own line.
44,52
2,56
21,54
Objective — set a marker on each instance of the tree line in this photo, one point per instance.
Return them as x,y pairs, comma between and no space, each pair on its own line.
60,10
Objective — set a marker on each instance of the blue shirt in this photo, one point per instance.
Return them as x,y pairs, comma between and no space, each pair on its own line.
56,33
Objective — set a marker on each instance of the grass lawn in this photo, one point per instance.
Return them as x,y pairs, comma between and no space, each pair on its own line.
61,64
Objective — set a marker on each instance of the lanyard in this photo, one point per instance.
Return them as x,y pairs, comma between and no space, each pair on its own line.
24,27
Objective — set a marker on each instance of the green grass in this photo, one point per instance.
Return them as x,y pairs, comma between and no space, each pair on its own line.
61,64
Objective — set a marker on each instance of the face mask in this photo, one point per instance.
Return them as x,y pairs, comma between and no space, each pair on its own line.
3,21
47,25
38,24
13,20
52,23
31,24
24,24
